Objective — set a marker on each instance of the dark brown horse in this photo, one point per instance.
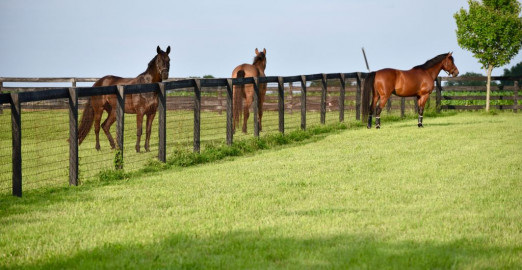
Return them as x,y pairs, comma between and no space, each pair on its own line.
246,92
140,104
417,81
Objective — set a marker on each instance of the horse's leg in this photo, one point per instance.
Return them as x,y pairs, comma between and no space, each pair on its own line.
372,109
111,118
421,101
97,118
150,119
246,110
139,131
260,108
382,102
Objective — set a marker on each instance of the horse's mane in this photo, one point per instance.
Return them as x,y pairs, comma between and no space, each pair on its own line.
150,66
432,62
259,57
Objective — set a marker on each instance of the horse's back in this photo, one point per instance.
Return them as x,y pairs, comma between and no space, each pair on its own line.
250,71
108,81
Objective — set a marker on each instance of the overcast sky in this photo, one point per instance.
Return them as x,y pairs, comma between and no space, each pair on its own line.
59,38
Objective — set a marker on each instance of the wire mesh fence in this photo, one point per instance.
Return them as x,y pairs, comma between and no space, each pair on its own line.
180,119
213,116
49,165
44,144
92,161
189,108
5,152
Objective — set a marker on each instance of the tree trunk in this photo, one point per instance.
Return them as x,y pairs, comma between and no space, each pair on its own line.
488,87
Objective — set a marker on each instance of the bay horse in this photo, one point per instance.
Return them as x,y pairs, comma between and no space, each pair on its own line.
139,104
246,92
417,81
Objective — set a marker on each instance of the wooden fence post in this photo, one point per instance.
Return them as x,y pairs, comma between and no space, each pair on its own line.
162,123
281,103
358,98
73,136
438,101
303,102
342,97
230,114
324,88
255,106
1,91
120,124
16,129
515,96
197,115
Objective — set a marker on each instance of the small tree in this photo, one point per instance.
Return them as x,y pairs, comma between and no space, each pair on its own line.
492,31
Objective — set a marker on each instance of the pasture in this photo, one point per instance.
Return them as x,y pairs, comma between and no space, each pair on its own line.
446,196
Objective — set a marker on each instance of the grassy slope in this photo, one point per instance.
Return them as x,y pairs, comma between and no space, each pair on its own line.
446,196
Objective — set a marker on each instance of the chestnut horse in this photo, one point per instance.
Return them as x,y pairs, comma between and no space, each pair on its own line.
257,69
417,81
140,104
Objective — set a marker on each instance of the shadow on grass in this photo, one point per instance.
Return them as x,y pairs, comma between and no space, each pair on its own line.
261,250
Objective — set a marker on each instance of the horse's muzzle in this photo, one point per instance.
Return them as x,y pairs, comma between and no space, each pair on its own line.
455,72
164,74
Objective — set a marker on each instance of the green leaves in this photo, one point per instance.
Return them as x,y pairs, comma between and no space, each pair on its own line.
492,31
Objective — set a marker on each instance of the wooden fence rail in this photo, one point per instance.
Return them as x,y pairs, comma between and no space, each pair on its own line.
16,96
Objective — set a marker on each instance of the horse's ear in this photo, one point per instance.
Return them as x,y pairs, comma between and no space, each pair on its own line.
257,52
450,53
168,50
264,50
158,50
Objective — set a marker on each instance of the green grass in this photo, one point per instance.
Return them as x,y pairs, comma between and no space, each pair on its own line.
446,196
45,148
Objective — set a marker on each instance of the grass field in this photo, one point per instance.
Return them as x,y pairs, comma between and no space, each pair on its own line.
45,150
443,197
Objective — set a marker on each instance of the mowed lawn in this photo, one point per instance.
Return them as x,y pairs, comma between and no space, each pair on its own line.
448,196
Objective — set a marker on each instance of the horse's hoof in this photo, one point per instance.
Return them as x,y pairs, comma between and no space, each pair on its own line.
378,127
420,125
368,127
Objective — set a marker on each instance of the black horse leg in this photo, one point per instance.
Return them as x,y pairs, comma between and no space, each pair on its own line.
421,112
370,117
378,111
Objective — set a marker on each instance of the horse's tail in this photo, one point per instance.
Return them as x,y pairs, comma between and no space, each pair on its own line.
85,122
366,95
238,98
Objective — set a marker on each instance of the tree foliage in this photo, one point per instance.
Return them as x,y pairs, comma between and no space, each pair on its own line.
492,31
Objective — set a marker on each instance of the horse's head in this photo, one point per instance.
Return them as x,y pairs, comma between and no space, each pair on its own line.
260,58
449,66
163,62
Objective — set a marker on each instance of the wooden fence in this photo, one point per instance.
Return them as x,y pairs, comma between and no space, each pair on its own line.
16,96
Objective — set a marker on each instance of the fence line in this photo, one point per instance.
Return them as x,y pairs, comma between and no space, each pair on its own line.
72,94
